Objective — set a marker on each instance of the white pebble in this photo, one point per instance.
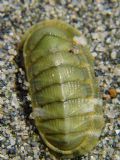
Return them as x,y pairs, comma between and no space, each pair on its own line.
113,55
117,131
12,141
94,54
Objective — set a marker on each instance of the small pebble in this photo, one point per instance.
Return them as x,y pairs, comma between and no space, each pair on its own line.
113,55
94,54
112,92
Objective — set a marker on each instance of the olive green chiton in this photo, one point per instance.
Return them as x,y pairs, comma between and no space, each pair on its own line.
65,98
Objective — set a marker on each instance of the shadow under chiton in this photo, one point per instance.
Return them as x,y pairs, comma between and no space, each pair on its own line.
65,99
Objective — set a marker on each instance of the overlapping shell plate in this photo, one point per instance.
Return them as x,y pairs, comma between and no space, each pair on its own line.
65,98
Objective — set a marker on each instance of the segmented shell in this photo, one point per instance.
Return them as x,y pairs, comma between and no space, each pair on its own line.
63,88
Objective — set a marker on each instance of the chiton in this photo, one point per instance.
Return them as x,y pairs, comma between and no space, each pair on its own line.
65,98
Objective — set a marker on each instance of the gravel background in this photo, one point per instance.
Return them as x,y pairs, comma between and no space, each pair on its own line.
99,21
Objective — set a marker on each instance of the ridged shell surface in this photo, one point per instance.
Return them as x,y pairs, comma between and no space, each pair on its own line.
65,98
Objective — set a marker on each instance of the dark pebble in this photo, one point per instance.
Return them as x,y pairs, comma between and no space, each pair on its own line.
12,150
